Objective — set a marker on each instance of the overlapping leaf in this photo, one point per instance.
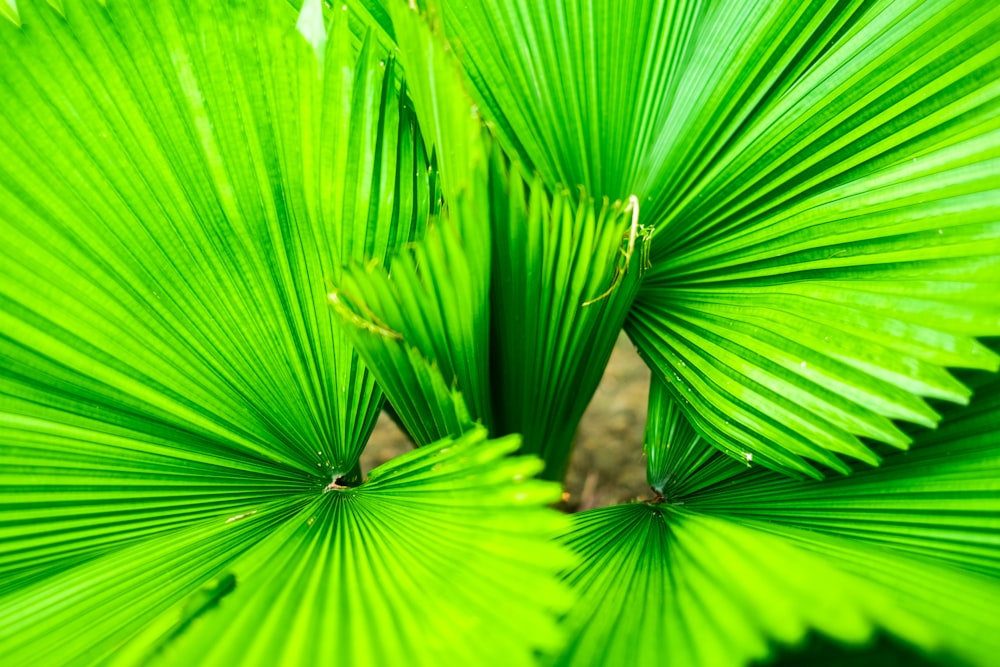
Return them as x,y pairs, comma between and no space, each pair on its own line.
677,458
565,271
822,179
813,282
442,557
920,534
180,408
178,184
425,329
182,182
940,500
668,585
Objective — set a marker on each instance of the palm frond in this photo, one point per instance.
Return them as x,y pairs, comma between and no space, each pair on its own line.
666,584
565,271
837,250
939,500
820,179
178,183
916,538
193,296
444,555
185,187
433,312
922,527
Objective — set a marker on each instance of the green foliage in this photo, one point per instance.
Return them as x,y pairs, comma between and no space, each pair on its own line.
229,227
454,527
821,177
741,557
701,590
565,272
424,315
939,500
176,398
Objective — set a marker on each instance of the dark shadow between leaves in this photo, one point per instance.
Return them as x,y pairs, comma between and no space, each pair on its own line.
882,651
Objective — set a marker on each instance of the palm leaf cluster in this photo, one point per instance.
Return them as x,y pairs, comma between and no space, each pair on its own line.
233,230
740,556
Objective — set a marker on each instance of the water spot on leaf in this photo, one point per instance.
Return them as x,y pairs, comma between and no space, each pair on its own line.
240,516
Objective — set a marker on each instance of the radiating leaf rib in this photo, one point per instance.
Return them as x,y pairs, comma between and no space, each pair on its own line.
173,206
69,493
443,555
939,500
94,608
840,249
565,271
576,91
665,584
432,310
178,184
677,458
449,546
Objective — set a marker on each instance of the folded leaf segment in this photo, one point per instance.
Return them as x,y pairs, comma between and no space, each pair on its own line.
740,558
821,179
565,272
512,301
443,555
181,412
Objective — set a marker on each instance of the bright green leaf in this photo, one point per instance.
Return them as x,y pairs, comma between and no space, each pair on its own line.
448,546
668,585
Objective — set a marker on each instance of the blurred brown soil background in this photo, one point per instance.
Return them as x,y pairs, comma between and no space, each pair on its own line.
607,466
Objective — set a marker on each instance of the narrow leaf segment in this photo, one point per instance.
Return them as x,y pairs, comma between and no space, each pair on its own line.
179,408
565,272
666,584
443,557
822,182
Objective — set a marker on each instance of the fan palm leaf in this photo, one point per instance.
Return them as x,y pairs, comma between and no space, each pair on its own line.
425,330
687,588
180,410
740,559
822,183
565,269
440,556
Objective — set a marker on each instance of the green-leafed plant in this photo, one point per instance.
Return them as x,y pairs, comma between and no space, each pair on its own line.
229,231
